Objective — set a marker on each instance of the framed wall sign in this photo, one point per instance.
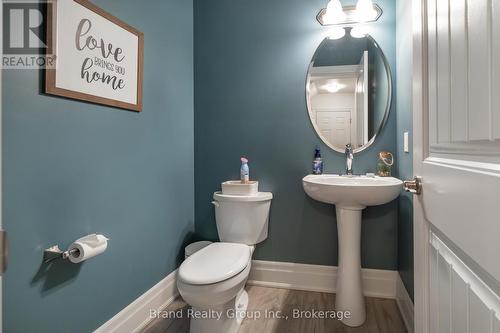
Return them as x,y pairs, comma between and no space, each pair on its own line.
99,58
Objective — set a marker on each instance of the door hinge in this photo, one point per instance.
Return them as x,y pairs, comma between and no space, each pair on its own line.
413,186
4,251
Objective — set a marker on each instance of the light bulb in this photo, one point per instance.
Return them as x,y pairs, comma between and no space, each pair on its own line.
359,32
333,86
336,33
365,11
334,13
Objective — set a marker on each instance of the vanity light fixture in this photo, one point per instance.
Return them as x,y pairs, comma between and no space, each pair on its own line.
336,14
365,11
336,33
359,31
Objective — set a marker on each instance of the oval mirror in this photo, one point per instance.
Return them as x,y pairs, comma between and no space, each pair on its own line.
348,92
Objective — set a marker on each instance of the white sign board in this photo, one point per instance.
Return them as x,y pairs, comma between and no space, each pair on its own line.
98,58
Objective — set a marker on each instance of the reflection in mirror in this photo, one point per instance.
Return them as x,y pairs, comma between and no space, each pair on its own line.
348,92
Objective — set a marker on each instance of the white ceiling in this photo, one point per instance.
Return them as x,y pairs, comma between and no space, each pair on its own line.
334,85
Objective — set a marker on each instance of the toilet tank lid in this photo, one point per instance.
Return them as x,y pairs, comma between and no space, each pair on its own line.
214,263
260,196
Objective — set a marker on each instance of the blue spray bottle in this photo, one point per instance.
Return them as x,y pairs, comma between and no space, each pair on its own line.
244,171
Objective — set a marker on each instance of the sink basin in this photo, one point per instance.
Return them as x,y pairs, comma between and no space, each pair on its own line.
352,191
350,195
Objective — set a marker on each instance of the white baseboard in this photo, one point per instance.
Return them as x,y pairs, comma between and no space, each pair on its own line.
137,314
405,305
376,283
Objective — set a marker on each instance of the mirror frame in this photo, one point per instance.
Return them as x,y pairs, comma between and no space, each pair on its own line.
387,108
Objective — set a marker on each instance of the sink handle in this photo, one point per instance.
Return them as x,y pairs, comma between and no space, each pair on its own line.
413,185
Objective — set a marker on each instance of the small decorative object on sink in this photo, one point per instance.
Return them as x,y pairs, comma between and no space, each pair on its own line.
385,162
317,168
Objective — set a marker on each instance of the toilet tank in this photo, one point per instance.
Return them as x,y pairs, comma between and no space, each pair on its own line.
242,218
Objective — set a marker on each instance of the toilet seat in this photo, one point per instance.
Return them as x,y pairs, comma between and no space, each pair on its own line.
215,263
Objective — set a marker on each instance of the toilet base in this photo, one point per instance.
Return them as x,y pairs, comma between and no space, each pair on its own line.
225,318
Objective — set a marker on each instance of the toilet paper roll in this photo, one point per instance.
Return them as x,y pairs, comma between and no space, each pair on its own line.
88,247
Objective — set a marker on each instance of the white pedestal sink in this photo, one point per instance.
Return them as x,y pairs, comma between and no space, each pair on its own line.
350,195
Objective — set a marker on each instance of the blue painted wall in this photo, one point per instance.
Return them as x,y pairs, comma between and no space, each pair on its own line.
404,124
72,168
251,60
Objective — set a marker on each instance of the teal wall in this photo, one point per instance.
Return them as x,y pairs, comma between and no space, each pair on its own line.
404,124
72,168
251,60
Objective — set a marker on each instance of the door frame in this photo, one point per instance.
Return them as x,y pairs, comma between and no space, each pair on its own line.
421,228
1,160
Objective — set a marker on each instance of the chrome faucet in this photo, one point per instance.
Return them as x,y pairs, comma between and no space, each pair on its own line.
348,159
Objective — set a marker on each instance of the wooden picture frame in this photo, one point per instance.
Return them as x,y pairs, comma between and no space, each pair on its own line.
71,81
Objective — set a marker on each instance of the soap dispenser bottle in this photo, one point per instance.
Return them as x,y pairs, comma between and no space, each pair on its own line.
317,165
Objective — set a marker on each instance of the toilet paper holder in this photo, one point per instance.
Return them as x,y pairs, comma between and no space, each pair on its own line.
54,253
80,250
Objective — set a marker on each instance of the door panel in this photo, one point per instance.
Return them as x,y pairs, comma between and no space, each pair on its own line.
463,66
1,254
335,126
479,32
457,155
463,203
443,115
480,316
464,302
455,175
495,74
460,292
444,291
458,70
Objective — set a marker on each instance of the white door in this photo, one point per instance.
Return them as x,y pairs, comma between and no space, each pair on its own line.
335,126
2,239
456,108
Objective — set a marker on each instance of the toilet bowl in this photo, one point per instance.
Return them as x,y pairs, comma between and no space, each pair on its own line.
212,279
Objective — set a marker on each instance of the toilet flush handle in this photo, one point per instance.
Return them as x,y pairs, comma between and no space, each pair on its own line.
215,203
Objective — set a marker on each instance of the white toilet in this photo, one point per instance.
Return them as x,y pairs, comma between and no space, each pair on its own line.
212,280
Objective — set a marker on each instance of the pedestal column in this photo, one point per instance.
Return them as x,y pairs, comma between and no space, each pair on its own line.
349,296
